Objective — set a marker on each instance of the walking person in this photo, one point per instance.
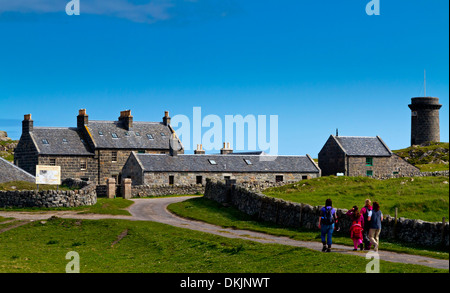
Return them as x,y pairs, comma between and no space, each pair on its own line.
327,220
375,226
366,211
356,229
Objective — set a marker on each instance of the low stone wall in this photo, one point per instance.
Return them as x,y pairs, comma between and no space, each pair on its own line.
49,198
149,190
298,215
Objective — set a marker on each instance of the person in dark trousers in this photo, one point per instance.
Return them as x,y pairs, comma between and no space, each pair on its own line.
327,220
366,212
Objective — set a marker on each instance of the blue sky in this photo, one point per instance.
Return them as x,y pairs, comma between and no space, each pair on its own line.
318,65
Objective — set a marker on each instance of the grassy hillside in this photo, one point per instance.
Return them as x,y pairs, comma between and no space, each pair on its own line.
431,156
425,198
7,149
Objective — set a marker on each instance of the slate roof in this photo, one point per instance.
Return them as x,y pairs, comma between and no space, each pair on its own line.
226,163
363,146
101,132
10,172
72,144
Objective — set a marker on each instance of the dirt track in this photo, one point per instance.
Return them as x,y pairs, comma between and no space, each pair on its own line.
155,209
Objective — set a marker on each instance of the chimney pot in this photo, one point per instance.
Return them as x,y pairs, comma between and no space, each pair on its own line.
27,123
82,119
126,118
166,118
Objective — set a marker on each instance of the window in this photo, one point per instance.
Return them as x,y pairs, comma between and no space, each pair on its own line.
52,162
44,141
369,161
83,164
163,134
279,178
212,162
100,133
395,173
149,136
114,135
137,134
64,140
304,177
127,133
248,162
141,152
114,156
171,179
369,173
227,177
199,180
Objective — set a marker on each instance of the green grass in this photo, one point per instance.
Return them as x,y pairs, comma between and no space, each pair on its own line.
110,206
116,206
435,160
432,167
425,198
150,247
209,211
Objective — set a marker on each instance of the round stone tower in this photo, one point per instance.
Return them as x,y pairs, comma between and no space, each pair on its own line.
424,120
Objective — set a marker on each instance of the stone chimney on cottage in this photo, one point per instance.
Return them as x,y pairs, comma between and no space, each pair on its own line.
126,119
27,123
226,149
199,150
166,118
82,119
174,145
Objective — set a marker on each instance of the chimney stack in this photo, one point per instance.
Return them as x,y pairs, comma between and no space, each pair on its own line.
199,150
27,123
126,119
82,119
166,118
174,145
226,149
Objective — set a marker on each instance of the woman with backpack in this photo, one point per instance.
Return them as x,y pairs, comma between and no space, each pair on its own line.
366,211
356,229
327,220
375,226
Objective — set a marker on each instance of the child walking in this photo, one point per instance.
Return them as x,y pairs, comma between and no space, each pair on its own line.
356,230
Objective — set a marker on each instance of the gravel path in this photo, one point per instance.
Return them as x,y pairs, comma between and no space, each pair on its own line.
155,209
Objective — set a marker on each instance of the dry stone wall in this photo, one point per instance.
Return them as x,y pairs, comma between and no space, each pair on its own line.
49,198
300,215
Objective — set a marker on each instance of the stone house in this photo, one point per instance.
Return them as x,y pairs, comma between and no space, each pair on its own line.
93,150
191,169
362,156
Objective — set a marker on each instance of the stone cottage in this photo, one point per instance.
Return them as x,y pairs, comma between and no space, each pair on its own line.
362,156
93,150
188,169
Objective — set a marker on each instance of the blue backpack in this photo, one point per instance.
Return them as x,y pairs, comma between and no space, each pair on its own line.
328,217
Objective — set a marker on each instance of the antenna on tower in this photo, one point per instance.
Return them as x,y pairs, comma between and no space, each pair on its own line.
425,82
